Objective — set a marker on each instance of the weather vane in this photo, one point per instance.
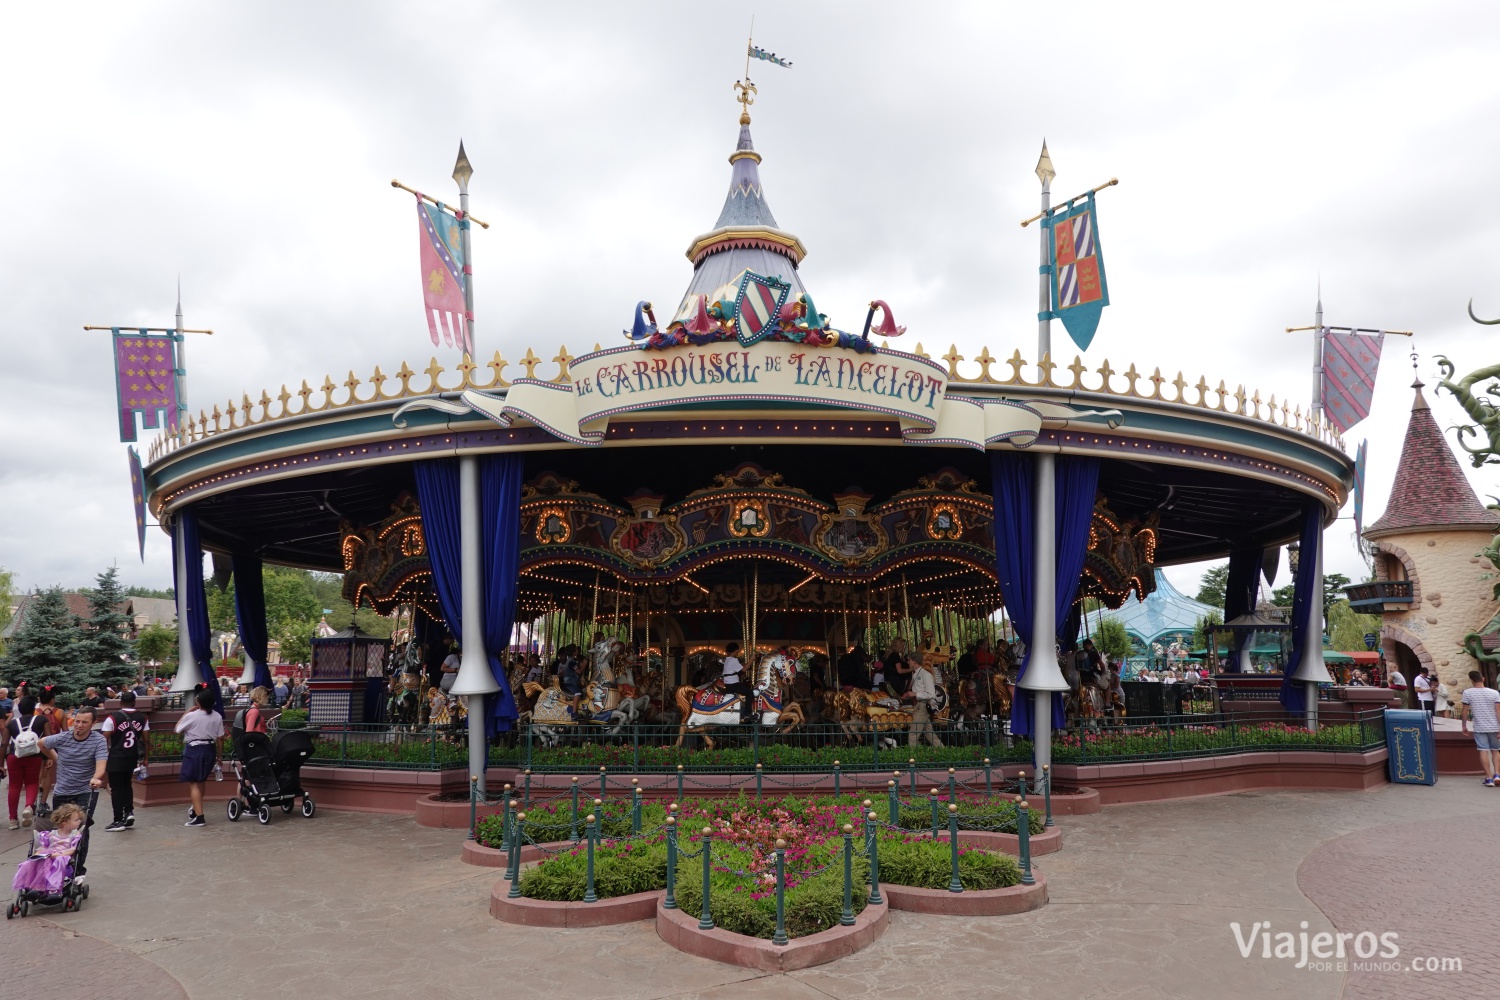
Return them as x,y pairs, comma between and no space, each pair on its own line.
746,97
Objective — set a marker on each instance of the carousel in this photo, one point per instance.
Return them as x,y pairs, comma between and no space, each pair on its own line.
738,470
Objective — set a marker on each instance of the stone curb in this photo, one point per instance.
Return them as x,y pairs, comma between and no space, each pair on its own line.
680,930
970,902
549,913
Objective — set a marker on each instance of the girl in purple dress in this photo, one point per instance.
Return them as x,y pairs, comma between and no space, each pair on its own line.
45,870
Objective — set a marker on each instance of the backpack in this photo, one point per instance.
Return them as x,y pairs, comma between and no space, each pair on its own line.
26,743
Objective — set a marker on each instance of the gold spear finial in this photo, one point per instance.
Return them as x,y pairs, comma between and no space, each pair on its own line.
1044,171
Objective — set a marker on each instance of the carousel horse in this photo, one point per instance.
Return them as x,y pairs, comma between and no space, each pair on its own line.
713,706
552,709
404,705
869,711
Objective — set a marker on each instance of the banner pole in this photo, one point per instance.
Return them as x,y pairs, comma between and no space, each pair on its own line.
462,171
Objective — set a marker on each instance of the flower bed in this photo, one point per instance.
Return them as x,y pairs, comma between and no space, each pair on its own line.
742,882
1181,741
975,812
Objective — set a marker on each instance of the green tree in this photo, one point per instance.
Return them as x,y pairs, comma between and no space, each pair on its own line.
44,649
166,595
1211,588
102,647
1347,627
7,594
296,640
1111,639
1200,629
1333,592
157,645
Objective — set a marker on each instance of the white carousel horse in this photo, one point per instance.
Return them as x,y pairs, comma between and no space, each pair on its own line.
552,711
772,690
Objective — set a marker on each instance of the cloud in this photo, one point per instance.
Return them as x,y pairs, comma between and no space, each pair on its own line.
249,149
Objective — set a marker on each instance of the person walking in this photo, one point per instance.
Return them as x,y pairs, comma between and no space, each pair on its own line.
201,730
56,722
126,731
1479,704
79,756
23,760
255,716
923,696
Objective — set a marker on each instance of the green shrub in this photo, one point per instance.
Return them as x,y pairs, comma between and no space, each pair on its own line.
996,815
618,871
813,905
928,864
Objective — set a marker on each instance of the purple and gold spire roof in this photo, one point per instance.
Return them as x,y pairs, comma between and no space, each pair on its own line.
745,237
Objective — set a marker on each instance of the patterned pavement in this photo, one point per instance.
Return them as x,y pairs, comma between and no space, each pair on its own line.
1142,902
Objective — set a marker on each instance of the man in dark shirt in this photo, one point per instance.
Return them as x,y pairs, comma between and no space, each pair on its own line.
91,698
853,672
897,668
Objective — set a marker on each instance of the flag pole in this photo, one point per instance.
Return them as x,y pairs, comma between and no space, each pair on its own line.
181,371
462,171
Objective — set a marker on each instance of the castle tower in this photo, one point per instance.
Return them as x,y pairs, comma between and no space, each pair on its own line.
1428,585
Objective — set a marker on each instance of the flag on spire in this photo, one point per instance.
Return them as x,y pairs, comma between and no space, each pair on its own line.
756,52
1350,362
443,276
1079,290
145,380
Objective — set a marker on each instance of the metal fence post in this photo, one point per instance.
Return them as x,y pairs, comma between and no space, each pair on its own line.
911,767
1021,782
988,790
679,782
755,744
635,747
573,828
602,779
1047,791
837,775
987,723
528,748
526,799
780,936
706,920
515,856
1023,832
473,816
670,902
635,813
588,888
954,883
893,803
952,785
431,746
875,899
759,773
874,746
932,801
847,917
344,747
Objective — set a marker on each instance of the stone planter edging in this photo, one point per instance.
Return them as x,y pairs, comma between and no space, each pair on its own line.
680,930
970,902
475,853
550,913
1047,842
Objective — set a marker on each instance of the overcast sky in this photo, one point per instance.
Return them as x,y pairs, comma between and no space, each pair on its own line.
249,148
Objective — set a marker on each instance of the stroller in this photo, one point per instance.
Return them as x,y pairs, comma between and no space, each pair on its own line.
69,896
269,770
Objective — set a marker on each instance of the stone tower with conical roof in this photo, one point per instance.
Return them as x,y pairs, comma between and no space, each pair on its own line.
1429,583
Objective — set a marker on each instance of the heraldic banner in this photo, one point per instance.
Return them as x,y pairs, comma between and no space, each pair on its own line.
1079,289
145,380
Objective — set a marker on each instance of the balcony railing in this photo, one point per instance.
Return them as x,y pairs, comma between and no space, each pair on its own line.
1377,593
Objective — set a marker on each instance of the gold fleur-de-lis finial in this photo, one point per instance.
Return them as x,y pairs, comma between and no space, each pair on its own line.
746,97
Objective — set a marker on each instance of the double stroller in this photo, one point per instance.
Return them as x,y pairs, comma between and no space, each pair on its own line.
69,895
269,770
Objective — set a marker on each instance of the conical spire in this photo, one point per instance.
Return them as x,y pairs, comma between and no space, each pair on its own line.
746,236
1430,490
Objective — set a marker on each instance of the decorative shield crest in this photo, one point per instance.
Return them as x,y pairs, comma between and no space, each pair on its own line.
1079,289
552,526
749,520
945,523
648,538
851,536
757,305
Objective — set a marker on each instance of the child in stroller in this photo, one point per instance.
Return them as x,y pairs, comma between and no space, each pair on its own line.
46,876
269,770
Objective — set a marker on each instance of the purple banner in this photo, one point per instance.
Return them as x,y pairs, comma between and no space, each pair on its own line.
145,381
138,495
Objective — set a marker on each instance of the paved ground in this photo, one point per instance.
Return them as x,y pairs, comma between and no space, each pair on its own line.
1142,902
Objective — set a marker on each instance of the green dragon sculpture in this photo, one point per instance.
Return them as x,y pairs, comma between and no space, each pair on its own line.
1486,416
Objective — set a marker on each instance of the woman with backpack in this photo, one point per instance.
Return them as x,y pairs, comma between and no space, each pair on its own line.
23,761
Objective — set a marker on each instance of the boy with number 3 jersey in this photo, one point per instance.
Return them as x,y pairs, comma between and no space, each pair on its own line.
126,731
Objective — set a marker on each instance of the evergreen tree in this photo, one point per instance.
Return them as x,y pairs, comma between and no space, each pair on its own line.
103,648
44,649
1215,582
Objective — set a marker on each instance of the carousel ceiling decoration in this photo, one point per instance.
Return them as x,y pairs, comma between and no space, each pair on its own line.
386,564
1120,557
752,512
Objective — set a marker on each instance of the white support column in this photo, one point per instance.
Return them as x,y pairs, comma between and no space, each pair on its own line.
187,666
474,678
1312,671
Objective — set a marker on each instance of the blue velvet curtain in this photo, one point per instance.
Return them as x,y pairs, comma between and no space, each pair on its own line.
500,501
197,601
250,613
500,512
1077,482
1294,693
1239,594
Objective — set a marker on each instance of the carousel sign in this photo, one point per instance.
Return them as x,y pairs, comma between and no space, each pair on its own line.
621,380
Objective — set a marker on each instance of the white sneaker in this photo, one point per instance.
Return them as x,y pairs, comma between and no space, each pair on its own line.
26,815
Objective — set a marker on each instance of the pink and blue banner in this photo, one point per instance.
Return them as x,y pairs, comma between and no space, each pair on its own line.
145,381
1350,362
443,276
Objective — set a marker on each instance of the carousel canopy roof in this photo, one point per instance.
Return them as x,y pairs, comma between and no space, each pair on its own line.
1164,611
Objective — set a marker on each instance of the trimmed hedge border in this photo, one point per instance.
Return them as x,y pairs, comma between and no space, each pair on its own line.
680,930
